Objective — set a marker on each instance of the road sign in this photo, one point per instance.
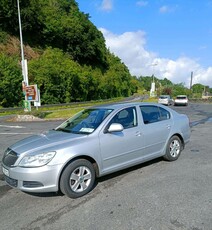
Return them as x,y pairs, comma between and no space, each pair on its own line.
31,92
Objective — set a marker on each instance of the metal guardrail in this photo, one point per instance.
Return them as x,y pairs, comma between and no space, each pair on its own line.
62,104
45,106
132,98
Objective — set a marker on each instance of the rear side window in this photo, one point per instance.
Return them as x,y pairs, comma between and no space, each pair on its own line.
164,114
153,114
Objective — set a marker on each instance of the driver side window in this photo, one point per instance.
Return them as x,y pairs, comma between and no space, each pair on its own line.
126,117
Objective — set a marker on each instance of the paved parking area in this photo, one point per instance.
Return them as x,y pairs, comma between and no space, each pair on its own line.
158,195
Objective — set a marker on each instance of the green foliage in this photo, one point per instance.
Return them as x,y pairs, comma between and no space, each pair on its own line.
167,91
165,82
180,89
3,37
198,88
72,62
56,75
10,81
62,80
146,82
164,86
59,24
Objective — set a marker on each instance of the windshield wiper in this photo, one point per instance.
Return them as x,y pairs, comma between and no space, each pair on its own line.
63,130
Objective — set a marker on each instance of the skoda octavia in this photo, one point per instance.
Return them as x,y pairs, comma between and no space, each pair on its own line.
95,142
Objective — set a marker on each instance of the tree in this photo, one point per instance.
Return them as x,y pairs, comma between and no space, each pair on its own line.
198,88
10,82
180,89
57,76
146,82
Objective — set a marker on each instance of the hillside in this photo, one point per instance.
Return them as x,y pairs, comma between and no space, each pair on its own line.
66,53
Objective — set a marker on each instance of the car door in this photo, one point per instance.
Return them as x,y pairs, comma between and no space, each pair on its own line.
156,129
121,149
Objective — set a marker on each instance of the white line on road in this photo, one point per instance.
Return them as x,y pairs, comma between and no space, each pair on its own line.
13,126
16,133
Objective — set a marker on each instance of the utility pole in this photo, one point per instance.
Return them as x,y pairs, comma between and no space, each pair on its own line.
191,83
23,61
191,80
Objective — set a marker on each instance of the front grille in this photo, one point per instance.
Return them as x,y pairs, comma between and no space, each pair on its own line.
11,182
9,158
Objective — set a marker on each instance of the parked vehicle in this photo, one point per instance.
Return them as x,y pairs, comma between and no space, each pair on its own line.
181,100
165,100
95,142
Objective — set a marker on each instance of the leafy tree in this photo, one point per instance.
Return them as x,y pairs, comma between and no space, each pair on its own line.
10,81
56,75
180,89
117,78
165,82
56,23
146,82
167,91
198,88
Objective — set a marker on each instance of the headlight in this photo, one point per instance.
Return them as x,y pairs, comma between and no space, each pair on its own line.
37,160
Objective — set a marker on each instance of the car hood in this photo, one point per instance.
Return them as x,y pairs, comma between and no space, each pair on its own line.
45,140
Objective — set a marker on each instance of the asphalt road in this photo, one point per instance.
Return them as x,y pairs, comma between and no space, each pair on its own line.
158,195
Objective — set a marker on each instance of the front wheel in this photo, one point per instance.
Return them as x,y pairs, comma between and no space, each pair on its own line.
77,178
173,149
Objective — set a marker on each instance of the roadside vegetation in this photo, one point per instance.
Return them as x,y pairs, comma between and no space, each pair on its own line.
67,59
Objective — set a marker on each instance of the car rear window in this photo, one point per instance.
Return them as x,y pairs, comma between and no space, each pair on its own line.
181,97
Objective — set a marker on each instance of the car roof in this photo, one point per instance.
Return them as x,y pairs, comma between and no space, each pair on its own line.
125,104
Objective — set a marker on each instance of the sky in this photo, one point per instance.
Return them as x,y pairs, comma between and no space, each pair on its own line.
168,38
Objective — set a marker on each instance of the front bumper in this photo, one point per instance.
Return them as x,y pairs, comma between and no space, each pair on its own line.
40,179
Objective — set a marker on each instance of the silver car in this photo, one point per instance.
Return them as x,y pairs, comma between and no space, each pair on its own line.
95,142
165,100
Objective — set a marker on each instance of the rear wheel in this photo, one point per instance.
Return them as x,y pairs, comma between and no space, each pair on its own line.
173,149
77,178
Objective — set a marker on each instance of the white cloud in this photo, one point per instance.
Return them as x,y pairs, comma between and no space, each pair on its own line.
164,9
142,3
107,5
167,9
130,48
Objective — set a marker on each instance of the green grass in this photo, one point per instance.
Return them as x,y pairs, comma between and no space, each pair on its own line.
62,114
64,111
58,112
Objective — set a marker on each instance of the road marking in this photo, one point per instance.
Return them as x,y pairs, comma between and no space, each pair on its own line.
13,126
16,133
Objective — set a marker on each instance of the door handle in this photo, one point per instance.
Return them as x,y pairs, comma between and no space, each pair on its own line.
138,133
168,126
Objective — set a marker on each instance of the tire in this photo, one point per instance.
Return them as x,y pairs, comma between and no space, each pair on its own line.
173,149
77,178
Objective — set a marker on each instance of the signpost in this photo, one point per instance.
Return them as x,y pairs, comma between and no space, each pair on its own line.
31,93
38,102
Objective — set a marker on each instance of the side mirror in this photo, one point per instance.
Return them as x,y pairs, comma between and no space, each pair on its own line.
115,127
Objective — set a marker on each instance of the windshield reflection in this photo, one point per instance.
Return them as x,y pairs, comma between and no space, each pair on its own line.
85,122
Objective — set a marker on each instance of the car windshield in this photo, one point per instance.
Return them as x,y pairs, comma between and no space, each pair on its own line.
84,122
163,97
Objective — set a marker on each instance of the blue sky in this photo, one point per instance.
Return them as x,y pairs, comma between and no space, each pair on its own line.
169,38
